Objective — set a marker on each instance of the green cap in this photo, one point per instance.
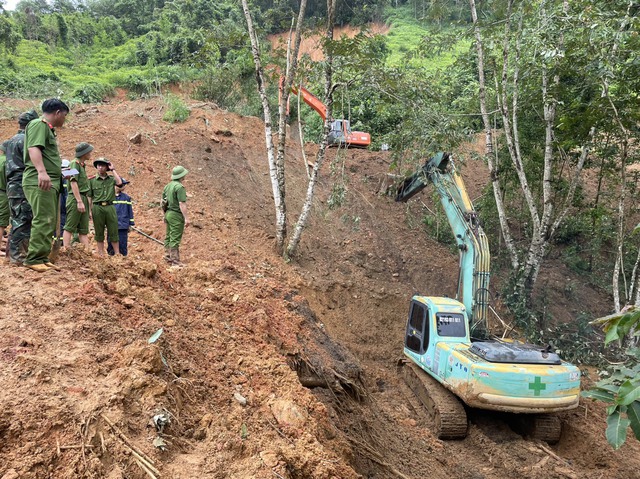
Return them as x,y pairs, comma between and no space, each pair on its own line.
179,172
83,148
100,160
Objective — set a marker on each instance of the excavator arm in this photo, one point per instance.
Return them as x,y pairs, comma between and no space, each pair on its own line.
473,280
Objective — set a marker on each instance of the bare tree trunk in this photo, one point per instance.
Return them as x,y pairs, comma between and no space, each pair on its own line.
291,68
276,162
489,152
278,198
306,209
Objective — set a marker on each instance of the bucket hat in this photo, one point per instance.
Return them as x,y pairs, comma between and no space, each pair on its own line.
100,160
83,148
179,172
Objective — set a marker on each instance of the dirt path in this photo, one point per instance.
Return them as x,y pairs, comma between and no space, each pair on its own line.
242,331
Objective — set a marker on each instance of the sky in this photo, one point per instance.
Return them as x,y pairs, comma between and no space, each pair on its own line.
10,4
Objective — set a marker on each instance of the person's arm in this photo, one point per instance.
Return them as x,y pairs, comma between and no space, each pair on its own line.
116,176
76,194
183,209
44,181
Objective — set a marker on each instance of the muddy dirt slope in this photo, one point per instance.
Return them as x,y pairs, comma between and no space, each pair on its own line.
262,369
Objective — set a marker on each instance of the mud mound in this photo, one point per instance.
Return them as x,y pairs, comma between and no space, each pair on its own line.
262,369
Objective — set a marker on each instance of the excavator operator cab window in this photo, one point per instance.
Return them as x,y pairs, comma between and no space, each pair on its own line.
417,334
451,325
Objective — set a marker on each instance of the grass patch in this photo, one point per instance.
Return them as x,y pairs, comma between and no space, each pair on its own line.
177,110
421,45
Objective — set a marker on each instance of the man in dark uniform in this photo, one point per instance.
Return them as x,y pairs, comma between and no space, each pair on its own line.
102,193
124,210
174,203
77,220
41,181
19,207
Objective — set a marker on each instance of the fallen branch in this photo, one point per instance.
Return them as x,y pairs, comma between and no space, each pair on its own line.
137,453
377,458
142,466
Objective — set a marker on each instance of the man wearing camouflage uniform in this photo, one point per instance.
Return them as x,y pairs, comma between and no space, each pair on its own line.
4,202
19,207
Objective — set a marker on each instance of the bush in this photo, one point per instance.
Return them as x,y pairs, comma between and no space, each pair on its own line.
177,110
92,92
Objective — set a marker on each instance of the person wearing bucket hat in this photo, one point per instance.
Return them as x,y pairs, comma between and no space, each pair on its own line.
20,209
41,181
124,211
102,195
77,205
174,205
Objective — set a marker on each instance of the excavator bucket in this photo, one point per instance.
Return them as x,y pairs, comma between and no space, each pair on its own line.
417,182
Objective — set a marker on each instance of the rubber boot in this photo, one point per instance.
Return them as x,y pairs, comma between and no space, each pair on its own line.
167,254
175,257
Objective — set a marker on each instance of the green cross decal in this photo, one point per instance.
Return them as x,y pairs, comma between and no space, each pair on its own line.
537,385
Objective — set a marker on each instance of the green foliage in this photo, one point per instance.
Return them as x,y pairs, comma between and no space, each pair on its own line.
177,111
620,386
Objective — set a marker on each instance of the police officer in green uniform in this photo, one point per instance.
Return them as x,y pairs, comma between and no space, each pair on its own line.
41,181
77,201
102,193
174,203
4,201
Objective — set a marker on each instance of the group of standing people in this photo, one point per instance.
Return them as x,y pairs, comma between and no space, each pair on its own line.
32,178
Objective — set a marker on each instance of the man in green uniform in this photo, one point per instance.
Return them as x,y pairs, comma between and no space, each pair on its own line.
77,220
174,203
102,193
4,201
21,214
41,181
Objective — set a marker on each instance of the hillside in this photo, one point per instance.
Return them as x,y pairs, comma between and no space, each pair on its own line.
242,331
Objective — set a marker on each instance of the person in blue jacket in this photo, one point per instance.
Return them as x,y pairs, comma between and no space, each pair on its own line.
124,210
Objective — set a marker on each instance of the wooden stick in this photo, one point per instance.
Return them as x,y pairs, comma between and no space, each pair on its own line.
143,461
125,439
147,471
74,446
553,454
58,446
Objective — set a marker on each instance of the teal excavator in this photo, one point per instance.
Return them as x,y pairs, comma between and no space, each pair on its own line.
450,364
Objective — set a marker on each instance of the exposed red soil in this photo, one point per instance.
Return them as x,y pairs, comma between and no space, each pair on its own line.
310,44
240,324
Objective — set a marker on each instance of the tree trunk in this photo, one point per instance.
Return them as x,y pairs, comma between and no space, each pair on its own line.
278,198
306,209
489,150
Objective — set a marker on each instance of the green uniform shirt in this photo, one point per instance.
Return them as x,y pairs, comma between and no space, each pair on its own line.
40,134
102,189
3,174
81,178
174,193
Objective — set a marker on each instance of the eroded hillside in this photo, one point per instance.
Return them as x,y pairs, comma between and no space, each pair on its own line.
264,369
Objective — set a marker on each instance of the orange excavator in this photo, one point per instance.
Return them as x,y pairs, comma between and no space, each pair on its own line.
340,133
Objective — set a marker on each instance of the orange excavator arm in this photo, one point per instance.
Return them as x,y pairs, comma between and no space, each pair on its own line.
311,100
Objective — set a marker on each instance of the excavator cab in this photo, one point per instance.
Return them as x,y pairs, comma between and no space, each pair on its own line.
340,131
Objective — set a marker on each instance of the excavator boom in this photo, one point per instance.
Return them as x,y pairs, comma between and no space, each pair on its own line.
473,280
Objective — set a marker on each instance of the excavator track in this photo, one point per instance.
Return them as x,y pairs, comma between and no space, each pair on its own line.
545,427
446,409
